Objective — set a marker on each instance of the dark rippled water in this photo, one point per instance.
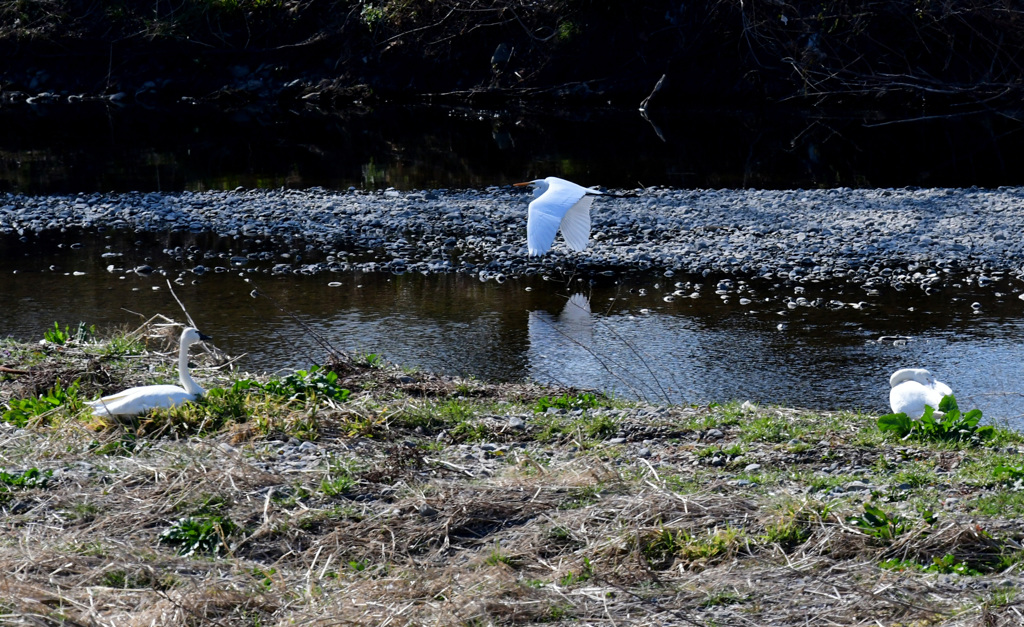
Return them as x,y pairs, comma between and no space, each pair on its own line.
91,147
692,350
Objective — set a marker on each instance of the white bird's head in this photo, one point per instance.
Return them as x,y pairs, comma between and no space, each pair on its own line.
920,375
539,186
191,335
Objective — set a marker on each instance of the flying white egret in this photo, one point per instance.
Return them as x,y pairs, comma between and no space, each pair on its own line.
912,389
140,400
558,204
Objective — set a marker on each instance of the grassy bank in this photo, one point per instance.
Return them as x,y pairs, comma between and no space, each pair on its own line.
361,493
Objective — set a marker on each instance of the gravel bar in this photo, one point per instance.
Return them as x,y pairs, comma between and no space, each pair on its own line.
868,236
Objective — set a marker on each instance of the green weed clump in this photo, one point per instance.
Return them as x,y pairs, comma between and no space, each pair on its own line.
881,525
582,428
944,423
22,410
301,385
341,478
30,478
660,548
61,337
947,564
121,345
576,577
203,534
566,402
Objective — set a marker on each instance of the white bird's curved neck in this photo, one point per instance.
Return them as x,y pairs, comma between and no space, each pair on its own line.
184,377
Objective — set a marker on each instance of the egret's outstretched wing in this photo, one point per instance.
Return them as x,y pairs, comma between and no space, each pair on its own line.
547,211
576,224
541,228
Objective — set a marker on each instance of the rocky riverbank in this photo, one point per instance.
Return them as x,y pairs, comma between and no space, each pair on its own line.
870,237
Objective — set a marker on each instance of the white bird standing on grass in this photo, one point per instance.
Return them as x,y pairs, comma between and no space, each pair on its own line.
140,400
558,204
912,389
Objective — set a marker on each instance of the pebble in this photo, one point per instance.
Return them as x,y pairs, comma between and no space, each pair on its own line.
858,486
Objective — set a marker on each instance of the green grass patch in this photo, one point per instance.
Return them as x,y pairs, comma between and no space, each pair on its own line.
27,479
722,597
884,526
123,345
567,402
660,548
582,575
340,479
581,497
584,429
497,556
770,428
1000,504
945,565
459,417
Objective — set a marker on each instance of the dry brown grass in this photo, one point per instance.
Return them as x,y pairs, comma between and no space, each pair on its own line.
562,531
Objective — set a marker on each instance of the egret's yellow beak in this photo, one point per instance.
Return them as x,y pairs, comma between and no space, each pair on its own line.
522,184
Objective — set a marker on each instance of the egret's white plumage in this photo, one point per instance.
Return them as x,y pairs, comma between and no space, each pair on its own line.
912,389
140,400
558,204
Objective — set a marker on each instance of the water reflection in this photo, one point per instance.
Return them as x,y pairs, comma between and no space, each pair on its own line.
564,343
91,147
617,334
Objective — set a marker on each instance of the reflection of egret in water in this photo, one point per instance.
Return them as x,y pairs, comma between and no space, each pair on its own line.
563,343
566,346
574,327
576,320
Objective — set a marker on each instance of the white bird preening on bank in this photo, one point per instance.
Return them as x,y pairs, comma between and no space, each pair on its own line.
140,400
912,389
558,204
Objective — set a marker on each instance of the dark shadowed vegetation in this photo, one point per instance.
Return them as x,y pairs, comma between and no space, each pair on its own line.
898,53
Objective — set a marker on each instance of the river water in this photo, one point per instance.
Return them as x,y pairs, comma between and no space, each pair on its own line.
95,148
618,333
